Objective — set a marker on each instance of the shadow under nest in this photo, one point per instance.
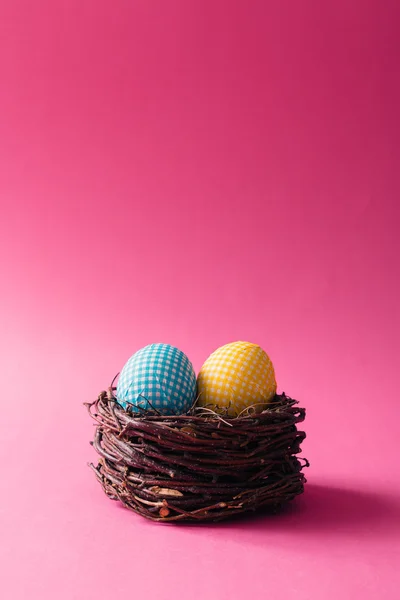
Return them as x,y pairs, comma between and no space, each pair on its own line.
200,466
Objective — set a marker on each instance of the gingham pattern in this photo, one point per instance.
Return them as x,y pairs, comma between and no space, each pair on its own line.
158,377
236,376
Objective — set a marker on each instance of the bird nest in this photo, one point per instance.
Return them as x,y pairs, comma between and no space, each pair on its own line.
200,466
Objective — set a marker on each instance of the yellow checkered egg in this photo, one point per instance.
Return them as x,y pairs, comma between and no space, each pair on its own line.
236,376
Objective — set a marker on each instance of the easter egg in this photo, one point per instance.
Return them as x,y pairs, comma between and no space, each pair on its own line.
236,376
158,378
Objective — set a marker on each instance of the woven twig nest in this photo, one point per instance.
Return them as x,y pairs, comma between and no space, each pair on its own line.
199,466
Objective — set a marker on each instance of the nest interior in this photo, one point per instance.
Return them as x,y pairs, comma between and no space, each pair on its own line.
199,466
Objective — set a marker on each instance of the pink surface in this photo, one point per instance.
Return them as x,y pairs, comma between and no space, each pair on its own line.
196,173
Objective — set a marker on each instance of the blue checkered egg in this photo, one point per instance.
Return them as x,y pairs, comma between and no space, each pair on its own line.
159,378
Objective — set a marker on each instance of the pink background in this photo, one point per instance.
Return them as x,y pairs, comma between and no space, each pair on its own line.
198,172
